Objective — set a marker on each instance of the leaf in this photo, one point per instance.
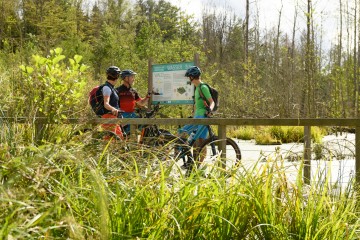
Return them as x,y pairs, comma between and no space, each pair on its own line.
36,219
29,70
58,50
78,58
83,68
58,59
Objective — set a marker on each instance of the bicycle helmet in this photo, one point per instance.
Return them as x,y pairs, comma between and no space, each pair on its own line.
127,72
193,71
113,72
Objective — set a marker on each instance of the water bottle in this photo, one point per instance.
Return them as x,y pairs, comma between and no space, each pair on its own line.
191,137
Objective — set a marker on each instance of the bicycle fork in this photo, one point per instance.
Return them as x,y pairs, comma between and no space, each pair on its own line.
212,144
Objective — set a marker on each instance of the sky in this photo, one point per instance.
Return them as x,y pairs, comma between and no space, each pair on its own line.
325,14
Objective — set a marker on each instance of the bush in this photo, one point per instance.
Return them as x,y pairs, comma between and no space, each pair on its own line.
245,133
276,134
49,88
52,88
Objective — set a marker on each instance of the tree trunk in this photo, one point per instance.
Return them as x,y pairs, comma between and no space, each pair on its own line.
246,43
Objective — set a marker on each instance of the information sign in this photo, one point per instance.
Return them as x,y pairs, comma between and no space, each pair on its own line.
170,86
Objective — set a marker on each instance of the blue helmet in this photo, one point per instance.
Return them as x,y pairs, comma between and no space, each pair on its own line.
193,71
127,72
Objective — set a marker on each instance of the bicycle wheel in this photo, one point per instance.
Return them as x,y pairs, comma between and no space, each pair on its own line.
208,157
106,136
152,136
174,148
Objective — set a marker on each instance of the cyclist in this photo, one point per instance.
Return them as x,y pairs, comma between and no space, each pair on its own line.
202,109
111,100
129,97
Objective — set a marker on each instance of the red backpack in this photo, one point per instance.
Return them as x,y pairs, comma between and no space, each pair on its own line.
96,100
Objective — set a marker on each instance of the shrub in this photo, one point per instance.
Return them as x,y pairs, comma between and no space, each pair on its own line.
276,134
49,88
245,133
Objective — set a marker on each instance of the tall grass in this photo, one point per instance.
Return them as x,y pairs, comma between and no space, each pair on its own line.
276,134
82,191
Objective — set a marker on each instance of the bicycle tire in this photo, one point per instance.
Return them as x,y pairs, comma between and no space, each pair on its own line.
106,136
174,148
205,158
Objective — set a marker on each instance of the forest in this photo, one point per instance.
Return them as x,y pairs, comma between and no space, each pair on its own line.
59,181
259,73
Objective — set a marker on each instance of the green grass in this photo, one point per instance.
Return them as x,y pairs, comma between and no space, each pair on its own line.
245,133
81,191
275,134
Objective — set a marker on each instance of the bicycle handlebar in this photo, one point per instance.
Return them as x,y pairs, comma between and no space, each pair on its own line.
148,114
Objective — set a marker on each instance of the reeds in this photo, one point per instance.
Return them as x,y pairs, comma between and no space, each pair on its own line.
59,191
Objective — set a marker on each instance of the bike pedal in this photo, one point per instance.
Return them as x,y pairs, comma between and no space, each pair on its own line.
186,166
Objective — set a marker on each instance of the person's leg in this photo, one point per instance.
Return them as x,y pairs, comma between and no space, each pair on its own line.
127,126
115,128
186,130
202,133
184,133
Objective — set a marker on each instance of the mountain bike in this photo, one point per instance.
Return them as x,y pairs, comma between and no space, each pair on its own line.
207,156
151,134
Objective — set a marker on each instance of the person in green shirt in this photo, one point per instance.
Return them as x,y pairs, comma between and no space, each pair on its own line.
202,109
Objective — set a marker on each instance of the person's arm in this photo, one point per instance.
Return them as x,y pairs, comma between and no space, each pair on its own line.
211,103
106,94
107,106
143,102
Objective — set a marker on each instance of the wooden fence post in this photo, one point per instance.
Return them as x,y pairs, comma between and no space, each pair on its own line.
307,154
222,144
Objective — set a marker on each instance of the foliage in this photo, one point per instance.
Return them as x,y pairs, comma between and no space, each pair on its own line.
281,76
80,192
294,134
53,88
245,133
276,134
48,88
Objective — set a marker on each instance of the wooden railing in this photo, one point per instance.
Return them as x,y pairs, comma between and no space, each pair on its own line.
222,123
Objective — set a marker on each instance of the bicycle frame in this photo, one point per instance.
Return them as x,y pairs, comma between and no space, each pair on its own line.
189,144
151,131
211,135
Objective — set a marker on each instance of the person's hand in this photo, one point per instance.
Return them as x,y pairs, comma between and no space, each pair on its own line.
114,112
208,113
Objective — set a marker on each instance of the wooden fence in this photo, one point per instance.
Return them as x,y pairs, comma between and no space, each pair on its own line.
222,124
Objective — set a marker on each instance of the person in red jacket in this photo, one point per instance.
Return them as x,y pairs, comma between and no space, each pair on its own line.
129,97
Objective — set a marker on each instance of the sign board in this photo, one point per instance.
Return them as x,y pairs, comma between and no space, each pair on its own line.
170,86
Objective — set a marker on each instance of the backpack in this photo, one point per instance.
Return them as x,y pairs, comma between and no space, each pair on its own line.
214,95
96,100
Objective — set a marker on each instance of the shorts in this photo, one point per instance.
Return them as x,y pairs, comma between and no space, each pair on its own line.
201,130
128,115
115,128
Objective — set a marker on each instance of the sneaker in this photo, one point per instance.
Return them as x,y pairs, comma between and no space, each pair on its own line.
185,166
